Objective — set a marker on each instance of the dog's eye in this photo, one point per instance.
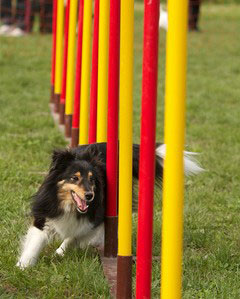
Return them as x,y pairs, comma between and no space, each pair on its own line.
91,179
74,178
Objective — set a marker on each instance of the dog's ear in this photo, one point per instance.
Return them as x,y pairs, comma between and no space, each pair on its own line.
61,159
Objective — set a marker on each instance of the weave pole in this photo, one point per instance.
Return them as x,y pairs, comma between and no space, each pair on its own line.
65,57
103,71
54,27
173,179
85,82
76,109
59,53
124,259
27,17
147,150
94,78
71,67
111,219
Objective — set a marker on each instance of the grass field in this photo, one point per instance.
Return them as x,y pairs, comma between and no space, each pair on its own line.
27,136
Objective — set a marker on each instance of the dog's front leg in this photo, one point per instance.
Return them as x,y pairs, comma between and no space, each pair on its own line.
65,244
94,238
33,243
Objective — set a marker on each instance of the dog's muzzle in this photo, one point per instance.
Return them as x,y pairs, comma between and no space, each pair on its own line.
81,204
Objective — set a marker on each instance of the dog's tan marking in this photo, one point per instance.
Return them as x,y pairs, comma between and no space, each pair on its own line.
61,182
65,197
78,174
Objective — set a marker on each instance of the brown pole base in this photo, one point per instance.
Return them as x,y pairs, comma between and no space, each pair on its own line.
75,137
68,126
111,241
124,277
62,113
56,103
52,94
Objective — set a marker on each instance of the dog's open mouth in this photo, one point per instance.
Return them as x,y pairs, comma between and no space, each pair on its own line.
81,204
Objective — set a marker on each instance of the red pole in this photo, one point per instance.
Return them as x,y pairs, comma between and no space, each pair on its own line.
76,112
112,134
147,149
54,25
64,78
94,81
27,18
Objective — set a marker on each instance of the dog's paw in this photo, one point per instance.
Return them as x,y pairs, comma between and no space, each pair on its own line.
23,264
20,266
60,251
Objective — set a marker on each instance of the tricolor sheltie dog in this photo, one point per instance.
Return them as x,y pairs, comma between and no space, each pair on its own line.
71,200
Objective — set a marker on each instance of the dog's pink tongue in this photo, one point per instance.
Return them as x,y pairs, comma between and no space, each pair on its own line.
84,205
81,203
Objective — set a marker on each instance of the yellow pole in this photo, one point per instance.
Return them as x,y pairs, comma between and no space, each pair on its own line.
173,188
85,82
103,71
59,47
125,128
71,57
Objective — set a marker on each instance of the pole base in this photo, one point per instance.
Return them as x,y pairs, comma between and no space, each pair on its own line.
75,137
62,113
124,277
111,240
52,94
68,126
56,103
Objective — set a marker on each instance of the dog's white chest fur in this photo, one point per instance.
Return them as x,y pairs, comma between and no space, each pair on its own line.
68,226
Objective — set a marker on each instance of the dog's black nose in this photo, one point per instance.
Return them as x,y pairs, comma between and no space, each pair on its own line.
89,196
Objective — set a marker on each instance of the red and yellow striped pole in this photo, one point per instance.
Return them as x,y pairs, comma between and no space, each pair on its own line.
59,53
124,259
71,66
85,81
173,180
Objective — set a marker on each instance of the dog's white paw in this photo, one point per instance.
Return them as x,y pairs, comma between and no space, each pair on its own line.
19,265
60,251
23,264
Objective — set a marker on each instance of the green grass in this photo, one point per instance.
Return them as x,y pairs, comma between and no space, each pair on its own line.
211,225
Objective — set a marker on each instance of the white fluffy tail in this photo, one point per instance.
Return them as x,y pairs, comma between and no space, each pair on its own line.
191,166
163,19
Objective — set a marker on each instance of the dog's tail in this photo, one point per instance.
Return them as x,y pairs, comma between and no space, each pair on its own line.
191,166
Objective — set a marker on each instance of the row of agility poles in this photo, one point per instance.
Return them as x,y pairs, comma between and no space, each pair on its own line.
112,86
